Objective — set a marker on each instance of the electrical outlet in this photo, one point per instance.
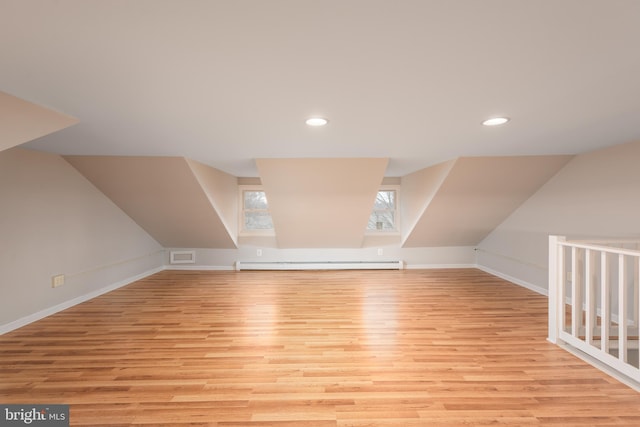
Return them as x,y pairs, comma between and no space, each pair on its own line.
57,280
259,252
380,251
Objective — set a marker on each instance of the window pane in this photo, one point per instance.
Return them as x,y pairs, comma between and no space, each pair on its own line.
385,200
255,200
257,221
382,220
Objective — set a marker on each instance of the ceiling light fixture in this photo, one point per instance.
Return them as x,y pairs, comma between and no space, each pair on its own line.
317,121
495,121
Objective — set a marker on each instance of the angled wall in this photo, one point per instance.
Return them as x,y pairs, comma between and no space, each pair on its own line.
22,121
222,191
418,190
165,197
53,221
596,194
476,195
321,203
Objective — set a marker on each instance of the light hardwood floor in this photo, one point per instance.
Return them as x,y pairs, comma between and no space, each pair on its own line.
349,348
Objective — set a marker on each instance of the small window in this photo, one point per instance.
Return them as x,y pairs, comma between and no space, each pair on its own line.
383,216
255,211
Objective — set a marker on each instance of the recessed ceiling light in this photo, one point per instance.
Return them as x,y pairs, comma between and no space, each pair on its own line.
496,121
317,121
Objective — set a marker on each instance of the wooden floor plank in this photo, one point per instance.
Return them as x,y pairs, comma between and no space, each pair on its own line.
312,348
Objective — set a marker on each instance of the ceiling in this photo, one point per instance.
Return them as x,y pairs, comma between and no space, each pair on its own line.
228,82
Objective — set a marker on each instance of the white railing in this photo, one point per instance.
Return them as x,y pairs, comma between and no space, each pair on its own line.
594,298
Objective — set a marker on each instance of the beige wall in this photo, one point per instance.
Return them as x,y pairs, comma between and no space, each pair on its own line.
222,191
418,189
53,221
596,194
477,194
321,202
171,201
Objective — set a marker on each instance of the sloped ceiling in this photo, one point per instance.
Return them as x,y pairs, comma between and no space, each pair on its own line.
222,191
22,121
466,199
418,190
179,203
321,203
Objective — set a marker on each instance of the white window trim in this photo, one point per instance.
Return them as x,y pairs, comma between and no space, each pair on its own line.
396,230
241,230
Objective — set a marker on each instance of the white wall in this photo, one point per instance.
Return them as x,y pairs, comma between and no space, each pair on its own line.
413,257
596,194
53,221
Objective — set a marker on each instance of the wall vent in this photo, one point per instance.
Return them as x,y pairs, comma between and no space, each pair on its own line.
182,257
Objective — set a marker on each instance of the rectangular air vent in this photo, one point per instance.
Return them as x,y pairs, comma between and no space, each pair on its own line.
182,257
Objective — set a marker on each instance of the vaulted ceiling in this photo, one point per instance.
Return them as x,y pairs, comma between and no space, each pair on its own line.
318,203
201,92
465,199
180,203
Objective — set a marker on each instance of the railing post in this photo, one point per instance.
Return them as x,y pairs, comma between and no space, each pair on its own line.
555,286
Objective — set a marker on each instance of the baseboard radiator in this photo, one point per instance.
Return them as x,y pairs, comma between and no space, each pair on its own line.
320,265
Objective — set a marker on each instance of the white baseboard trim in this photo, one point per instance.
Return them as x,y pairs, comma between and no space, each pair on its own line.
530,286
8,327
200,267
231,268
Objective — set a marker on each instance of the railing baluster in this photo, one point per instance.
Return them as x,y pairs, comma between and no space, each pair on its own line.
605,302
636,294
562,283
622,309
576,293
590,301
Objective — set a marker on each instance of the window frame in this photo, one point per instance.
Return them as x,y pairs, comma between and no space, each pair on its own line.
242,231
396,211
